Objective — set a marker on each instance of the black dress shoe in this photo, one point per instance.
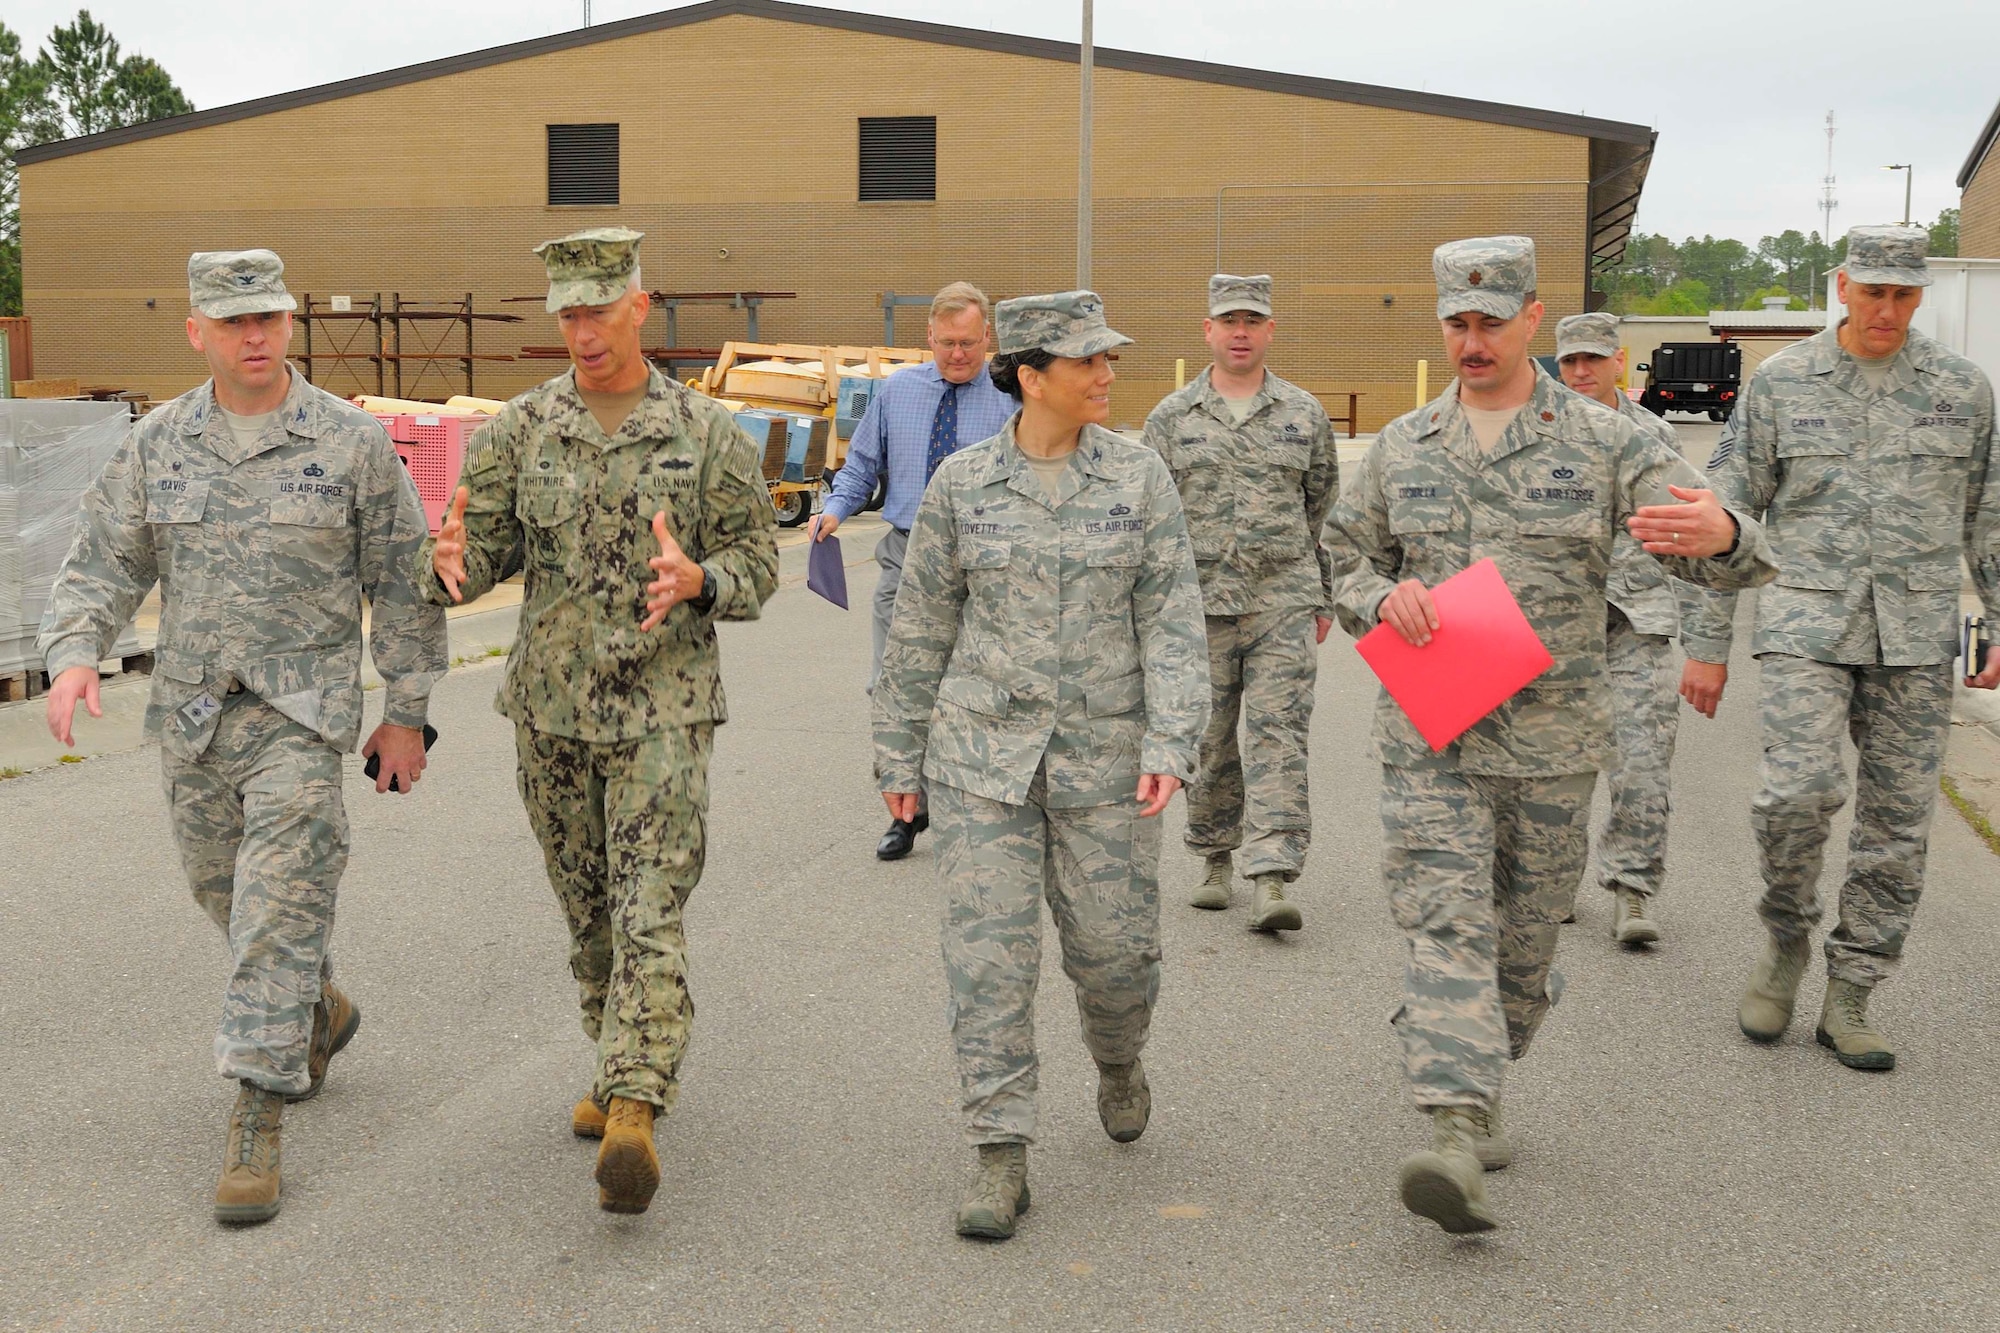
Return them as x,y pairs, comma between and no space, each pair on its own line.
896,843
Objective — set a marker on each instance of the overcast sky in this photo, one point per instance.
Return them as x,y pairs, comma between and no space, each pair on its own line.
1739,90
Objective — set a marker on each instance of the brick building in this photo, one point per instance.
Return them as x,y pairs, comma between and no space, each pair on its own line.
768,146
1979,200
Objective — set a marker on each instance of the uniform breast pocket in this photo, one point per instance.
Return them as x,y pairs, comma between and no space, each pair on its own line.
547,518
1271,511
1114,563
985,562
1203,481
312,528
1933,478
1431,536
1818,472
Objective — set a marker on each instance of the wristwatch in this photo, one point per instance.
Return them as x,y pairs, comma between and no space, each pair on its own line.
706,601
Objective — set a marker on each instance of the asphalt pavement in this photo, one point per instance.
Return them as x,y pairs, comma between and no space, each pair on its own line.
1669,1175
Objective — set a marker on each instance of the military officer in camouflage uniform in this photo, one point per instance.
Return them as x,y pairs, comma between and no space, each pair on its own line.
266,510
1485,840
1046,681
1255,463
645,521
1643,617
1868,450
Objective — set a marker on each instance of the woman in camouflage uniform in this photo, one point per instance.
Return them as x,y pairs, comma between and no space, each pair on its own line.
1047,679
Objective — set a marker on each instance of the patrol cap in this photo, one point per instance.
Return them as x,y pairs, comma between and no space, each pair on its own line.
589,267
226,283
1893,256
1061,324
1490,274
1594,334
1227,292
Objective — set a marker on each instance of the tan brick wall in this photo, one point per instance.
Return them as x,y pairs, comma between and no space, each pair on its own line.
739,135
1979,212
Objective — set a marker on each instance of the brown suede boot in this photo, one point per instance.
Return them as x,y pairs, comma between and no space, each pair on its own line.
335,1020
248,1190
628,1170
586,1119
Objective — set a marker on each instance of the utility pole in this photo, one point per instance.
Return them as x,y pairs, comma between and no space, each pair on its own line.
1909,176
1083,154
1827,203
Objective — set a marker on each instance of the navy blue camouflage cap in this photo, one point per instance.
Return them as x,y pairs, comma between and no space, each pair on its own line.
1062,324
225,283
592,267
1489,274
1890,256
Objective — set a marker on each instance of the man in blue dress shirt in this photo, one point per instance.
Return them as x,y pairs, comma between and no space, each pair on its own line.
920,417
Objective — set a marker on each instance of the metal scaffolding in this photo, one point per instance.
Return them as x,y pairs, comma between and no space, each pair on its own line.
363,349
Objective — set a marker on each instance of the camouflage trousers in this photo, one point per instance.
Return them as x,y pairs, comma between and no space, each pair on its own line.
1632,847
1480,872
1898,718
624,829
1098,866
263,837
1251,795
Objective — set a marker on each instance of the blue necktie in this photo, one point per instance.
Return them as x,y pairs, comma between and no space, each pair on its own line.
944,432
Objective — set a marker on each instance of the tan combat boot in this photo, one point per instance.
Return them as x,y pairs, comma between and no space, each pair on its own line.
1844,1028
1630,926
999,1193
1766,1008
248,1190
1490,1143
586,1119
335,1021
1447,1184
1271,911
1124,1102
1212,894
628,1170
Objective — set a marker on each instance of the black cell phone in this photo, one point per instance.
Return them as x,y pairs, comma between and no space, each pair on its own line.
373,768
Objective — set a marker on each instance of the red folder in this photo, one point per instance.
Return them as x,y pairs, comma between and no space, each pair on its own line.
1482,652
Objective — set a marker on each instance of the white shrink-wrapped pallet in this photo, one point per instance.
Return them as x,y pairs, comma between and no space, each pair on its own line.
50,453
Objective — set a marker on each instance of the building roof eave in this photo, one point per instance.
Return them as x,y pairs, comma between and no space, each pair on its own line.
1980,148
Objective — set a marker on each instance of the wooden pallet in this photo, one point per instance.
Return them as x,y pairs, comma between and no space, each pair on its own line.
34,684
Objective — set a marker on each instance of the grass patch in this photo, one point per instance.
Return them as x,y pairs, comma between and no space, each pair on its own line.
70,759
6,773
1973,815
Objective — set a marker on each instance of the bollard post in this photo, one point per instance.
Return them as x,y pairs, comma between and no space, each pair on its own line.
1423,379
1180,373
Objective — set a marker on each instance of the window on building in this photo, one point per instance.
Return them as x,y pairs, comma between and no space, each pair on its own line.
583,164
898,158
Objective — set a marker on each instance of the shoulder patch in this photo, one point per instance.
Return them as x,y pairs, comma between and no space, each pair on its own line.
1722,453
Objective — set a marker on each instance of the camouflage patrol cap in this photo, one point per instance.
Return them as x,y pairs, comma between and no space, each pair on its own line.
1594,334
1490,274
1892,256
1061,324
225,283
590,267
1227,292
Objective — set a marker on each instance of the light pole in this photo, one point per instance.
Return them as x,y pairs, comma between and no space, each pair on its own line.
1083,155
1909,175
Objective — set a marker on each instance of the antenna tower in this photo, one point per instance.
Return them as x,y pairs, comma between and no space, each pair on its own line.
1827,203
586,13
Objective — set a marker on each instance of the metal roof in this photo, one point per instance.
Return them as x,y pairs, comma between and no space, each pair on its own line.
1776,320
